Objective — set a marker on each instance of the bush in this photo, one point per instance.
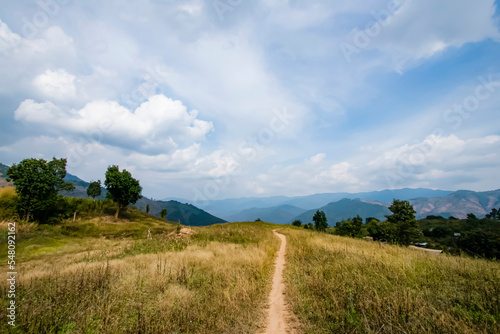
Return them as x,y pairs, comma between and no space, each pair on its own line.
8,199
297,223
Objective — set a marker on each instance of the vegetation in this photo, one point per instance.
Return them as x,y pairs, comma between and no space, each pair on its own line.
309,226
37,183
343,285
104,276
297,223
122,188
94,189
163,213
320,221
350,227
472,236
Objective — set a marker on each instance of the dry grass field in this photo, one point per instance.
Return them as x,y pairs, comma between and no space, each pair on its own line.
343,285
100,275
201,280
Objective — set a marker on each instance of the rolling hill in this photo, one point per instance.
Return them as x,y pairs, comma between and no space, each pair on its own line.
347,208
282,214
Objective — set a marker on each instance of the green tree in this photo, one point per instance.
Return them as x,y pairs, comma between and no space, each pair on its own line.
122,188
297,223
320,221
37,183
494,214
147,208
382,231
94,189
405,224
163,213
309,226
350,227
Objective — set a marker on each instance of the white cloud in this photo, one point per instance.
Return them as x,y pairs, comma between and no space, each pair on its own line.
8,40
420,29
157,125
56,85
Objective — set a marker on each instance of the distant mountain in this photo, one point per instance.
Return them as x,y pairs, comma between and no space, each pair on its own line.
3,176
458,204
347,208
282,214
226,208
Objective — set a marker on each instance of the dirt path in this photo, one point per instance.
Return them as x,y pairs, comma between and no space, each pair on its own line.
278,313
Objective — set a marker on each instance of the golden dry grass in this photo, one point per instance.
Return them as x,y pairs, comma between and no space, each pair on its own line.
343,285
208,280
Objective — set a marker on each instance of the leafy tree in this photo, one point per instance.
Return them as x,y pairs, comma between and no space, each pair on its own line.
37,183
122,188
472,221
350,227
404,221
163,213
147,208
297,223
494,214
320,221
94,189
382,231
309,226
433,217
369,219
479,242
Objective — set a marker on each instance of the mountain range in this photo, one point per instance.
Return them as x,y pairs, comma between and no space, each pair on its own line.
228,208
284,210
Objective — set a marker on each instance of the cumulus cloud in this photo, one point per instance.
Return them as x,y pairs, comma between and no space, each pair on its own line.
158,125
56,85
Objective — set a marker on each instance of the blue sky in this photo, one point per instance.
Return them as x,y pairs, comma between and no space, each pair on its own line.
204,99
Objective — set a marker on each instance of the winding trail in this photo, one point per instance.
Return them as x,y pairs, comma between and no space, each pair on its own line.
278,315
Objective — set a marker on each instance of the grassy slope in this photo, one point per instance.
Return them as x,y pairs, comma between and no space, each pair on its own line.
215,280
103,276
342,285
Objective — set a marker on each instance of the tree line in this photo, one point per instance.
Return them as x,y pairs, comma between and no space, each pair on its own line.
472,236
37,184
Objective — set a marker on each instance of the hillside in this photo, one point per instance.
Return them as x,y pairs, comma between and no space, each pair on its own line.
186,214
105,276
458,204
346,208
282,214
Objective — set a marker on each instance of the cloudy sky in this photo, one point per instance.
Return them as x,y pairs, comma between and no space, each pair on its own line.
204,99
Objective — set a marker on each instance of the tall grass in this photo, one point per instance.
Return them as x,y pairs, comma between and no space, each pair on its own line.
342,285
7,203
215,280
